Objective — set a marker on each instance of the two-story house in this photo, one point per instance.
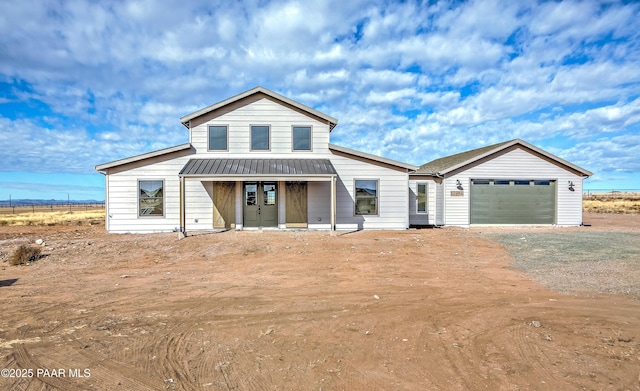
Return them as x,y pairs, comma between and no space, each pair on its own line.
260,160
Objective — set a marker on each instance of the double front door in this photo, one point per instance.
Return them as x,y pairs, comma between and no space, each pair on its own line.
260,204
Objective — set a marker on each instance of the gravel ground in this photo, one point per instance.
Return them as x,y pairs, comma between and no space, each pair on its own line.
577,262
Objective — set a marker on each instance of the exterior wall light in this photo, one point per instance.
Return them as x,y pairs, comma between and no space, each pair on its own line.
458,184
571,186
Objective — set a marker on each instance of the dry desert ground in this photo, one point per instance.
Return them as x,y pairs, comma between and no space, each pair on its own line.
428,309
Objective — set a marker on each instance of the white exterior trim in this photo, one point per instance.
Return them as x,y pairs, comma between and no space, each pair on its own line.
331,199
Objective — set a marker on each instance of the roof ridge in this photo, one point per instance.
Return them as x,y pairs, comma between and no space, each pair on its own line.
437,165
333,122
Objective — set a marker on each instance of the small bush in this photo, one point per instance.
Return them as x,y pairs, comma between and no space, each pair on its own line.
25,254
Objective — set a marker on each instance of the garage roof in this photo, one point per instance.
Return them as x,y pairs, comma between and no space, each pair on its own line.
447,164
263,167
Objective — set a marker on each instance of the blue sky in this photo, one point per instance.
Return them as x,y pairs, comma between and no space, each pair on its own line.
88,82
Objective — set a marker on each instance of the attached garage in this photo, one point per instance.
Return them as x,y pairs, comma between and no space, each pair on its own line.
510,183
513,201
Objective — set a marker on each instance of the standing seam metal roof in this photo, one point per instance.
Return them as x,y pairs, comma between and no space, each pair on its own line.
239,167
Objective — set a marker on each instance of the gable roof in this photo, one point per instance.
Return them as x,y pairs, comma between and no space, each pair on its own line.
332,121
148,155
447,164
369,156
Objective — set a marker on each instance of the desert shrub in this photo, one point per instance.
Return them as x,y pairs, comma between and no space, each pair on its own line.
25,254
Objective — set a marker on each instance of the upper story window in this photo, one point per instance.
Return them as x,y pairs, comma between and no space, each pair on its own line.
218,138
301,138
260,138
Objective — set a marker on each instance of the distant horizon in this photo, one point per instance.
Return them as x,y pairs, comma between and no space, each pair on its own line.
49,200
14,200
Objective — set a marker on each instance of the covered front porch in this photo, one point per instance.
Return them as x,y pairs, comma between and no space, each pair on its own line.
257,194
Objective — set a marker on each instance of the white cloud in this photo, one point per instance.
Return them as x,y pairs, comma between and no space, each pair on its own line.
410,80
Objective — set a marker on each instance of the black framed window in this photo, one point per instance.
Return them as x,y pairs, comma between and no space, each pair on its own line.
218,138
302,138
260,138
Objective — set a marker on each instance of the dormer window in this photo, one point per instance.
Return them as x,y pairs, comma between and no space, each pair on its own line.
260,138
218,138
301,136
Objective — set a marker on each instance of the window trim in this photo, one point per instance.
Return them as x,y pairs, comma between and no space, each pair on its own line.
164,201
293,149
355,197
251,138
426,198
209,138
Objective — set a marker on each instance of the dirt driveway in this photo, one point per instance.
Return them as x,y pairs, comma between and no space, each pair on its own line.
435,309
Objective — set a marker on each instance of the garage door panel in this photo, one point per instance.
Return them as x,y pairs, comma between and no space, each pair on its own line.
512,204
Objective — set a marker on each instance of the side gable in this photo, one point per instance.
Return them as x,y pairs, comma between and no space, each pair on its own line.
138,158
370,157
449,164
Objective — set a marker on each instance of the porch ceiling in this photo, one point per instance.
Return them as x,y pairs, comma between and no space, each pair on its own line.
257,167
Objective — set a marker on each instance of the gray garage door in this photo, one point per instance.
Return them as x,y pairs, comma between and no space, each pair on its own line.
513,201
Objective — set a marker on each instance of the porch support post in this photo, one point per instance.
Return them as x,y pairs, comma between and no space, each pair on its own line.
183,214
282,205
333,203
239,205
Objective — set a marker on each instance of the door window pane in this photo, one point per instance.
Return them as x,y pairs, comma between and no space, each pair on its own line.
251,194
269,193
260,138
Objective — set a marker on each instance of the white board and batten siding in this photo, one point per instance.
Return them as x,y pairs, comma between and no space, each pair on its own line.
280,120
122,188
515,163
